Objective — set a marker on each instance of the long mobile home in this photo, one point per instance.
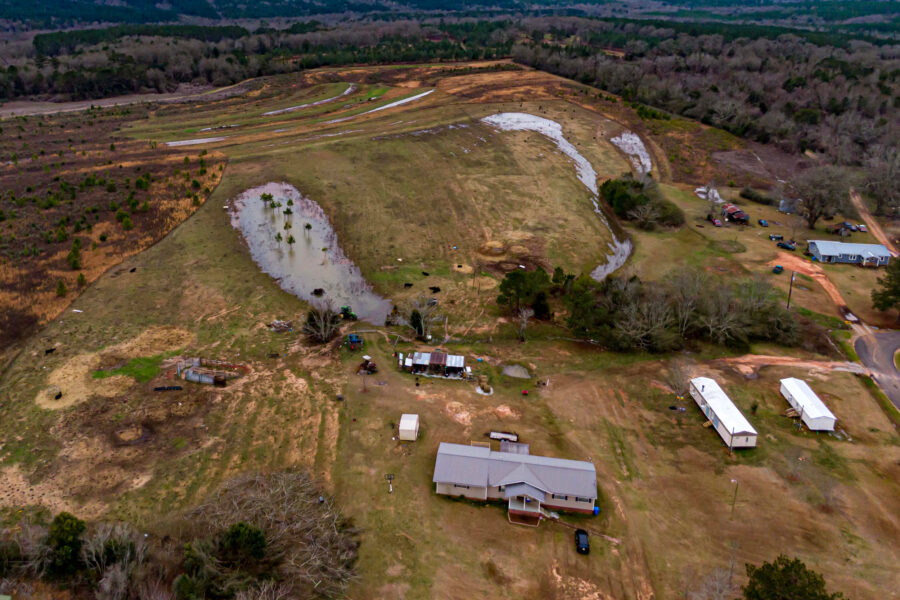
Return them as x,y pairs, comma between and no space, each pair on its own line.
726,419
812,410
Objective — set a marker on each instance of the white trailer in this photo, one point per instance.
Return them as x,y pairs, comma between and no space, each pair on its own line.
808,405
727,420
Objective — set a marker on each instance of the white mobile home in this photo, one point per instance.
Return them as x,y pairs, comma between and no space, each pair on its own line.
812,410
726,419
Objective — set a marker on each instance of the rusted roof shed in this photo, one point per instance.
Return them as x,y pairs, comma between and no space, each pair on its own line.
438,359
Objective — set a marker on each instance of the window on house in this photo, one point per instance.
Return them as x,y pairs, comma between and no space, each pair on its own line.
559,497
500,488
583,500
456,485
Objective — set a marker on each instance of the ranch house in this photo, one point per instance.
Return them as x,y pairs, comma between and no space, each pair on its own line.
867,255
530,485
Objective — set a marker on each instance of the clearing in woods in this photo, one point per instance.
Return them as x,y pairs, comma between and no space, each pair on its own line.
460,203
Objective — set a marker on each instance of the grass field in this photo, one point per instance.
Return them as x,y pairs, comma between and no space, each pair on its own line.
393,190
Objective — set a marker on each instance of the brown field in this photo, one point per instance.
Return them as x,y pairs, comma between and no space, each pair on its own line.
71,177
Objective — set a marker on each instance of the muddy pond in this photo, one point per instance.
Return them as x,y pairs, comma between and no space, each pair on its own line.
314,267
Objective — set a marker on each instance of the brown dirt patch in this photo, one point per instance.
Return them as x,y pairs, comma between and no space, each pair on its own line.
74,378
798,264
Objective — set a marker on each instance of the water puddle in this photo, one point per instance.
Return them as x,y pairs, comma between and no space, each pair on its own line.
620,250
350,89
195,141
385,107
314,262
632,145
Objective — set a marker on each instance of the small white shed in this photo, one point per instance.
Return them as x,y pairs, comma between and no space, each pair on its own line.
409,427
727,420
813,411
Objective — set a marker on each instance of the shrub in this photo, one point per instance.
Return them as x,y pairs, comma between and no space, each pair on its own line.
103,237
82,281
748,193
110,187
127,225
121,215
74,259
61,290
242,542
64,539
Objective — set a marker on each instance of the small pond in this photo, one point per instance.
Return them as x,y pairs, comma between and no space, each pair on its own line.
315,261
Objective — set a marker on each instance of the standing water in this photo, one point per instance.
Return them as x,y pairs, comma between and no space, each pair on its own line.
314,261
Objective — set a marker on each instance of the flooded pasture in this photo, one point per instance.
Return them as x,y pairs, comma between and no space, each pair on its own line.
313,267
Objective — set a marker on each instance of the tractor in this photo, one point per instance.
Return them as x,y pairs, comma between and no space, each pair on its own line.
354,342
347,314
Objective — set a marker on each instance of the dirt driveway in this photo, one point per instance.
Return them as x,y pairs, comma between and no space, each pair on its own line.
798,264
873,225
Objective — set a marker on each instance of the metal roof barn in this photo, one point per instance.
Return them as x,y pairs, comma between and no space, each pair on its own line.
438,359
728,421
804,400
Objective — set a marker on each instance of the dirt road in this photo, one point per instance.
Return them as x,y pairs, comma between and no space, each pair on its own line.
750,363
796,263
874,228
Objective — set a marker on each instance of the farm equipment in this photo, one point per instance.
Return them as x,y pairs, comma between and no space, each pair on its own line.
367,366
354,341
348,314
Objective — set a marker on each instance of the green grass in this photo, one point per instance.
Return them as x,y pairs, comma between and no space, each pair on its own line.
887,406
142,369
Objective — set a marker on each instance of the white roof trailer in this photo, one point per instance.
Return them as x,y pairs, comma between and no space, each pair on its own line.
812,410
727,420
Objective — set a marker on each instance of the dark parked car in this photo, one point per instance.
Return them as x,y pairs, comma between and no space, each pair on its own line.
582,545
787,246
763,223
775,237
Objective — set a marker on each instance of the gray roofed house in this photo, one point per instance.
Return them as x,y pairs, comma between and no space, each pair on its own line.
530,484
867,255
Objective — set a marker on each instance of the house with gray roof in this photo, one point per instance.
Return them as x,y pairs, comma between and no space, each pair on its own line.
867,255
530,485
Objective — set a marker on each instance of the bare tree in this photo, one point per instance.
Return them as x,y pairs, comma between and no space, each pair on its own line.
720,315
322,324
717,585
686,288
523,314
421,315
821,191
882,174
267,590
645,215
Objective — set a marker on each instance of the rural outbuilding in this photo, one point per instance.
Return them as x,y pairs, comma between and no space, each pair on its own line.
867,255
726,419
409,427
808,405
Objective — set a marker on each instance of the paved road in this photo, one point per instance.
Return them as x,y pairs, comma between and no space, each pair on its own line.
876,350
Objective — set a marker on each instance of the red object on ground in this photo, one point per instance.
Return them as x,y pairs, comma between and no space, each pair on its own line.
524,392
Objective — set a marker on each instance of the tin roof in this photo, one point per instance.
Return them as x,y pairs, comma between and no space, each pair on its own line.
456,361
828,248
722,406
438,359
813,407
421,358
482,467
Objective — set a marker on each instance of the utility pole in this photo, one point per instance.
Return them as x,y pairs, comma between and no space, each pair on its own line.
734,499
791,289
